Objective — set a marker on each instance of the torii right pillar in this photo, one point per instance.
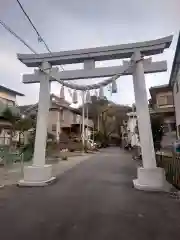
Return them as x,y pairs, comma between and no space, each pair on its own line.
149,177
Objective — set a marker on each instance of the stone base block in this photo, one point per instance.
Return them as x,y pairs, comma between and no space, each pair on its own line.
151,179
37,176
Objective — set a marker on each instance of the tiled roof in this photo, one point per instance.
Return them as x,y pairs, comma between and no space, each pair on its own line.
160,88
56,104
11,91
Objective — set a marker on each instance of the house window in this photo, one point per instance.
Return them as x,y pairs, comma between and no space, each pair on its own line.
78,119
165,100
169,100
10,103
62,115
162,100
53,127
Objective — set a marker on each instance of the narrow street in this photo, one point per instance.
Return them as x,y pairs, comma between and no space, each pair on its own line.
93,201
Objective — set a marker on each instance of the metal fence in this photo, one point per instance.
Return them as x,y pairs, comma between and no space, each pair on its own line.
8,140
171,164
12,162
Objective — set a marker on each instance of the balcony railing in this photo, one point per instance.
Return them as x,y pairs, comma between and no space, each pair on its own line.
77,119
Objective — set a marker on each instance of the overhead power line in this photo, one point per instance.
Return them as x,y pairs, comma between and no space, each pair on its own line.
40,38
67,84
18,37
22,41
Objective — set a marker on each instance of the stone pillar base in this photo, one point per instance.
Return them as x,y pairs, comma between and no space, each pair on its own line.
151,179
37,176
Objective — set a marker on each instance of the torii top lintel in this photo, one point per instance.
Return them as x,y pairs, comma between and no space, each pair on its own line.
97,54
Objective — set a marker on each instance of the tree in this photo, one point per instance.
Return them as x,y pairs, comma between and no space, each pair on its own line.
109,115
157,130
8,115
18,124
24,124
119,115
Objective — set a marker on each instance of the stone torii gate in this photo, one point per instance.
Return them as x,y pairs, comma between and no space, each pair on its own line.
149,177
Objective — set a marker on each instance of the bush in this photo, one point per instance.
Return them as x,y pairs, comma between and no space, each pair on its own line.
157,131
27,151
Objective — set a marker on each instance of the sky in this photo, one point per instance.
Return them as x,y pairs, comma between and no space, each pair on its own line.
74,24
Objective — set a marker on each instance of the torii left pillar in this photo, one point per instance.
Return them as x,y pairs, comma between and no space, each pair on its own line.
40,174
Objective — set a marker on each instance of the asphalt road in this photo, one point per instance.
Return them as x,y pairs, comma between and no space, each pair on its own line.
93,201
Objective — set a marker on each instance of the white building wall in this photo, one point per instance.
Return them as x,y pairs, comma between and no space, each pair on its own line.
177,104
176,93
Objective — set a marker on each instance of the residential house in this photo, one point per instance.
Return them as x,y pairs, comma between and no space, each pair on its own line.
174,82
7,99
64,121
129,134
162,104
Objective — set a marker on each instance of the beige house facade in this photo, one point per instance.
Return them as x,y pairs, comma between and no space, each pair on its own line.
162,104
63,119
7,100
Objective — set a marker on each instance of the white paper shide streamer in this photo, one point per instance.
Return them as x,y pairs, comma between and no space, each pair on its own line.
88,97
114,86
101,93
75,97
62,93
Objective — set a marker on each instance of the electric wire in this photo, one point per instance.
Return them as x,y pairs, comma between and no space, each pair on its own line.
65,83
